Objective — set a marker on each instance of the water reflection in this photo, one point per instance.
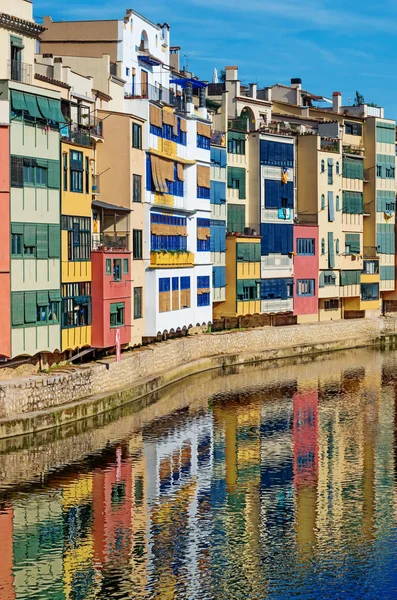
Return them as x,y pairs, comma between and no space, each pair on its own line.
282,486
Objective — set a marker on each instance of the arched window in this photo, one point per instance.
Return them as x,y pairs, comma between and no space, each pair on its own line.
337,246
322,166
337,203
323,246
322,201
144,45
337,168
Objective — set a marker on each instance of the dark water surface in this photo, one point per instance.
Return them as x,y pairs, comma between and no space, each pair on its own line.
257,482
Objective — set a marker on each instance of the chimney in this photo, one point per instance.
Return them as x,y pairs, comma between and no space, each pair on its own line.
231,73
253,90
296,82
174,58
58,68
337,102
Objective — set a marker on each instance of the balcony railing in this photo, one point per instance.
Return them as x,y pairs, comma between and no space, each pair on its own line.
108,242
19,71
151,92
81,133
168,259
330,145
370,252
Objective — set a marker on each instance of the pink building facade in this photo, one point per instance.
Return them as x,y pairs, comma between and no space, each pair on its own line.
111,297
306,273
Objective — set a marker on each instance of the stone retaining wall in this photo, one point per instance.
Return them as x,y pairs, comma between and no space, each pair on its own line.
153,367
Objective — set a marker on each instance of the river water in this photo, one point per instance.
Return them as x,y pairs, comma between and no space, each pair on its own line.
269,481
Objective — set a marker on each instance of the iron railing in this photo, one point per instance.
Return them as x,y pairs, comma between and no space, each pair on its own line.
152,92
19,71
109,242
81,134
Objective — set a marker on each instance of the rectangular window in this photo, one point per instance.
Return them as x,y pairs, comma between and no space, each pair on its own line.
35,307
330,173
236,146
352,128
247,289
117,269
185,292
371,267
305,246
137,244
108,266
65,172
331,304
137,188
203,235
79,237
164,294
369,291
88,188
16,244
117,314
305,287
203,192
203,142
76,171
41,176
203,299
125,266
137,303
28,174
352,243
235,218
76,304
136,136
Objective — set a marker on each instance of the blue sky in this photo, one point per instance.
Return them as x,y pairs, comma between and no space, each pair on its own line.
331,45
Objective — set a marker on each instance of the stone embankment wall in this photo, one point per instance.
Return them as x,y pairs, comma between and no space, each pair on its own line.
43,401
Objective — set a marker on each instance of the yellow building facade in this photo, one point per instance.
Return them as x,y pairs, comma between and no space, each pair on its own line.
76,276
243,274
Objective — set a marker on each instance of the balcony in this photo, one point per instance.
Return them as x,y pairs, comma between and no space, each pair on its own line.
145,91
19,71
370,252
171,259
353,149
218,138
330,145
109,243
82,134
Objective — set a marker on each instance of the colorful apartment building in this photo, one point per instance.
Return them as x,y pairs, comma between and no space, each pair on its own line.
218,216
243,276
306,285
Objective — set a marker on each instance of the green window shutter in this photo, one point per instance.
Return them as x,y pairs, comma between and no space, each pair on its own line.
17,42
257,252
350,277
113,309
321,280
42,240
17,228
386,133
387,273
42,162
331,251
240,287
353,203
120,305
54,241
55,111
384,197
55,295
17,308
235,218
353,168
54,174
42,298
233,135
30,307
353,240
29,234
239,174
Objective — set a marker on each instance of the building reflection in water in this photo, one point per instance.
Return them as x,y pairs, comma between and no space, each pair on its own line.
215,503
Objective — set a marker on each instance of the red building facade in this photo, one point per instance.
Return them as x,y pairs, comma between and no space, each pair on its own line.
306,272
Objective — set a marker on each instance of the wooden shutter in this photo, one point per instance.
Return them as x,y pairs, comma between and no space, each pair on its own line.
203,177
17,308
156,116
203,129
54,241
30,307
54,174
42,240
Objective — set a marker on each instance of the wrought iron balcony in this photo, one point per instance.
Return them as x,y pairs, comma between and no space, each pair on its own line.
104,242
19,71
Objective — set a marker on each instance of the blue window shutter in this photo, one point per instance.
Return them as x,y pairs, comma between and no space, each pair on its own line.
331,211
331,252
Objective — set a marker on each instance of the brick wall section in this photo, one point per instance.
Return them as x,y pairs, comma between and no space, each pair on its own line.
24,395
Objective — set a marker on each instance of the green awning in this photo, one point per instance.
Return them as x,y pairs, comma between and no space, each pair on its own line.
121,305
17,42
31,105
42,298
113,309
55,109
44,107
55,295
42,162
18,100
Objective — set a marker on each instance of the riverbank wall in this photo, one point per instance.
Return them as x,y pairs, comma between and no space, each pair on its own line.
44,401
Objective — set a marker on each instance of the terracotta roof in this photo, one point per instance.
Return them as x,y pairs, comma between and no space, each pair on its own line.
51,80
26,27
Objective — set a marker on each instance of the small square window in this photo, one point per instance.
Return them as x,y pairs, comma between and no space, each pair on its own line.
117,276
108,266
125,266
